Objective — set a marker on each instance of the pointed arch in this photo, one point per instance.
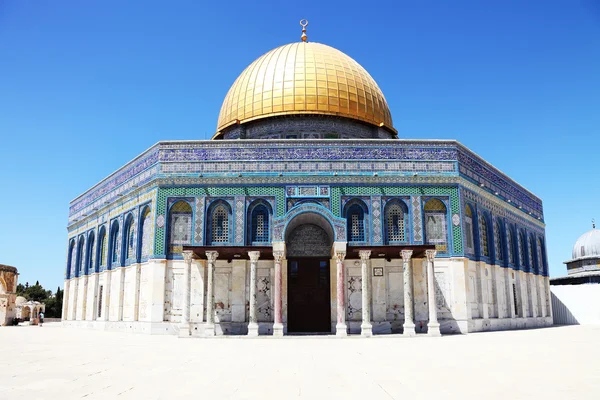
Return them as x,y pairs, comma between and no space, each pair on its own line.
101,249
484,235
89,262
521,246
71,259
80,255
499,242
114,247
396,217
435,220
469,225
129,239
355,212
144,233
259,217
218,223
180,226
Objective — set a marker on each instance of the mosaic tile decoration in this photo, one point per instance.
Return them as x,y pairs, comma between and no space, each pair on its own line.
199,203
436,157
239,220
376,218
163,193
452,192
417,219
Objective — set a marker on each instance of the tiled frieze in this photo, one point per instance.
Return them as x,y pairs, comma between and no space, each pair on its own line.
267,157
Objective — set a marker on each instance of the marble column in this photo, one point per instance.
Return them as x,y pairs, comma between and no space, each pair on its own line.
278,322
107,286
340,328
409,322
209,327
253,323
433,327
184,326
366,329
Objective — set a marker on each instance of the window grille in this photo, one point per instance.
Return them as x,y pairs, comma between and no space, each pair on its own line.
260,224
220,225
103,245
509,246
521,248
498,243
531,260
395,223
356,225
130,242
539,253
470,245
485,251
115,245
435,223
180,226
146,233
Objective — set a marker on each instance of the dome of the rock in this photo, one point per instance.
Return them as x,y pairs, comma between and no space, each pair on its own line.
304,78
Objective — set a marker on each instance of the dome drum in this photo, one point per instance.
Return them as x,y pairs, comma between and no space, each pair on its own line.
308,126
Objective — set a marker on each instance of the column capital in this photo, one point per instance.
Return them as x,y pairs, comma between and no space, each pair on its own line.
364,254
406,255
278,255
254,256
212,256
430,254
187,256
340,255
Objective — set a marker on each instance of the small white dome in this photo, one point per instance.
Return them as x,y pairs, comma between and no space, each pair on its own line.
588,245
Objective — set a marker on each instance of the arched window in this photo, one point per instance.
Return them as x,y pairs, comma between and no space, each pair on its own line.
71,260
89,264
115,248
436,230
219,224
498,242
259,217
102,248
483,236
80,256
355,221
521,249
532,260
395,222
145,228
540,254
180,226
510,245
129,238
469,230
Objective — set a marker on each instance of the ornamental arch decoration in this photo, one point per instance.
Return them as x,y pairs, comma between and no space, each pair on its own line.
334,226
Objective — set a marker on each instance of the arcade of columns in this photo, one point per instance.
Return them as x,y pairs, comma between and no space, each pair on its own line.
341,328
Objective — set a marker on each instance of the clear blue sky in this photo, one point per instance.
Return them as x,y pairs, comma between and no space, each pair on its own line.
85,86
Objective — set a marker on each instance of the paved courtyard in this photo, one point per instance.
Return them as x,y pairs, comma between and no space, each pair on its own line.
59,363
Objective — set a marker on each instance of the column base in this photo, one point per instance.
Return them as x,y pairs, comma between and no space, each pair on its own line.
341,330
253,329
184,330
366,330
433,329
278,330
409,330
209,330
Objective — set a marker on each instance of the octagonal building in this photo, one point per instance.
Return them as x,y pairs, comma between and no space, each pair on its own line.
306,213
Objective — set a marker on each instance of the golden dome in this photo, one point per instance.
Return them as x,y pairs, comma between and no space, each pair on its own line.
304,78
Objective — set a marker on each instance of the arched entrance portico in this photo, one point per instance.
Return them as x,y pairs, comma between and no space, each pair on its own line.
309,238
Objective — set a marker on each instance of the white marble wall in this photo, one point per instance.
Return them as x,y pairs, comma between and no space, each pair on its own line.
470,296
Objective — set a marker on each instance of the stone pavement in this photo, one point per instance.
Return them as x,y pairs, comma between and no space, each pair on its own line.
53,362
